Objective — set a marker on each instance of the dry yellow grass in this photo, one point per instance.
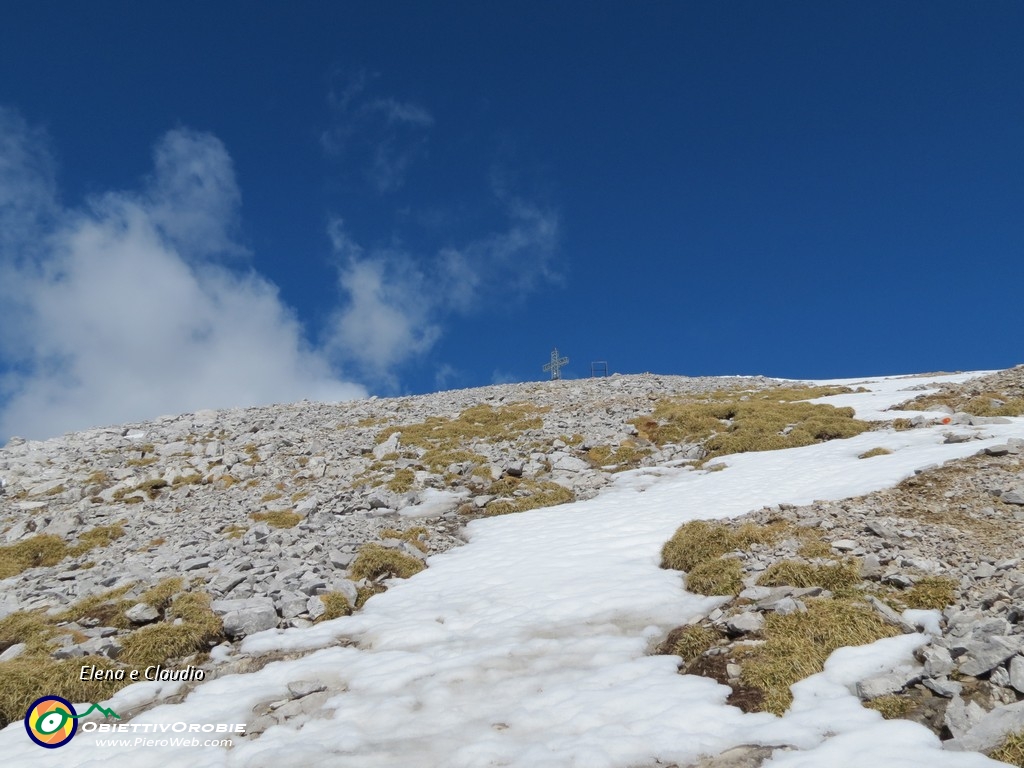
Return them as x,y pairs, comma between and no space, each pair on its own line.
480,422
797,645
763,421
892,707
699,541
158,643
335,604
539,493
375,561
1011,750
22,679
721,576
840,577
279,519
691,642
874,452
928,592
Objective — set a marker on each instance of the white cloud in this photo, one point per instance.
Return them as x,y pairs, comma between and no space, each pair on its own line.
380,136
387,319
123,311
398,301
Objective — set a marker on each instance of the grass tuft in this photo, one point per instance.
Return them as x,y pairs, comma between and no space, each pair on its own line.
158,643
336,605
479,422
539,493
22,679
37,551
700,541
721,576
840,578
375,561
892,707
1011,750
413,536
692,641
107,607
161,595
797,645
768,420
928,592
402,480
874,452
279,519
627,456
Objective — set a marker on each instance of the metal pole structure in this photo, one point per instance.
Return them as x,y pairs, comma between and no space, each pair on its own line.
555,366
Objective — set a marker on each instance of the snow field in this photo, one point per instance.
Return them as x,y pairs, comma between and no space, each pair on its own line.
529,645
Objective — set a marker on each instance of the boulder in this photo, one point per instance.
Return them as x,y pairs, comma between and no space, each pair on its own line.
245,617
142,613
744,623
989,730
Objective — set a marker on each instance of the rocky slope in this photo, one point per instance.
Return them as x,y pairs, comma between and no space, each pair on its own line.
282,516
266,509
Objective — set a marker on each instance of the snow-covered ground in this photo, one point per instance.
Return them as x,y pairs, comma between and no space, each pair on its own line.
529,645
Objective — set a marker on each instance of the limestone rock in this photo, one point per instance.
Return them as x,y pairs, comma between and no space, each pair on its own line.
989,730
745,623
142,613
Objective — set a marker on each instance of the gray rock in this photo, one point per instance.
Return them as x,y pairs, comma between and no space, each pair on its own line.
937,660
845,545
891,682
13,652
110,647
245,617
1016,496
301,688
984,655
870,567
315,608
142,613
960,717
1017,673
225,582
997,450
514,469
745,623
785,606
567,463
744,756
898,580
984,571
988,731
942,686
1000,677
756,594
889,615
340,559
388,446
291,604
977,421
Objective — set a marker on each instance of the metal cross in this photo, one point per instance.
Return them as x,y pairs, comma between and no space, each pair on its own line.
556,364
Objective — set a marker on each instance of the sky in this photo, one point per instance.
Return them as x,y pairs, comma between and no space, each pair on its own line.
216,205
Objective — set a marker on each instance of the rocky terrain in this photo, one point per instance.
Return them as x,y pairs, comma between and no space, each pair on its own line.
266,510
169,541
948,539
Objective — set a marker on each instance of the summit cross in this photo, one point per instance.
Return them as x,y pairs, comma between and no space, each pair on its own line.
555,366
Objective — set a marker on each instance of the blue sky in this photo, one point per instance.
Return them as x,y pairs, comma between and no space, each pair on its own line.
216,204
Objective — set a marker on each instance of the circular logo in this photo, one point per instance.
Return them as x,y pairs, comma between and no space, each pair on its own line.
50,721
